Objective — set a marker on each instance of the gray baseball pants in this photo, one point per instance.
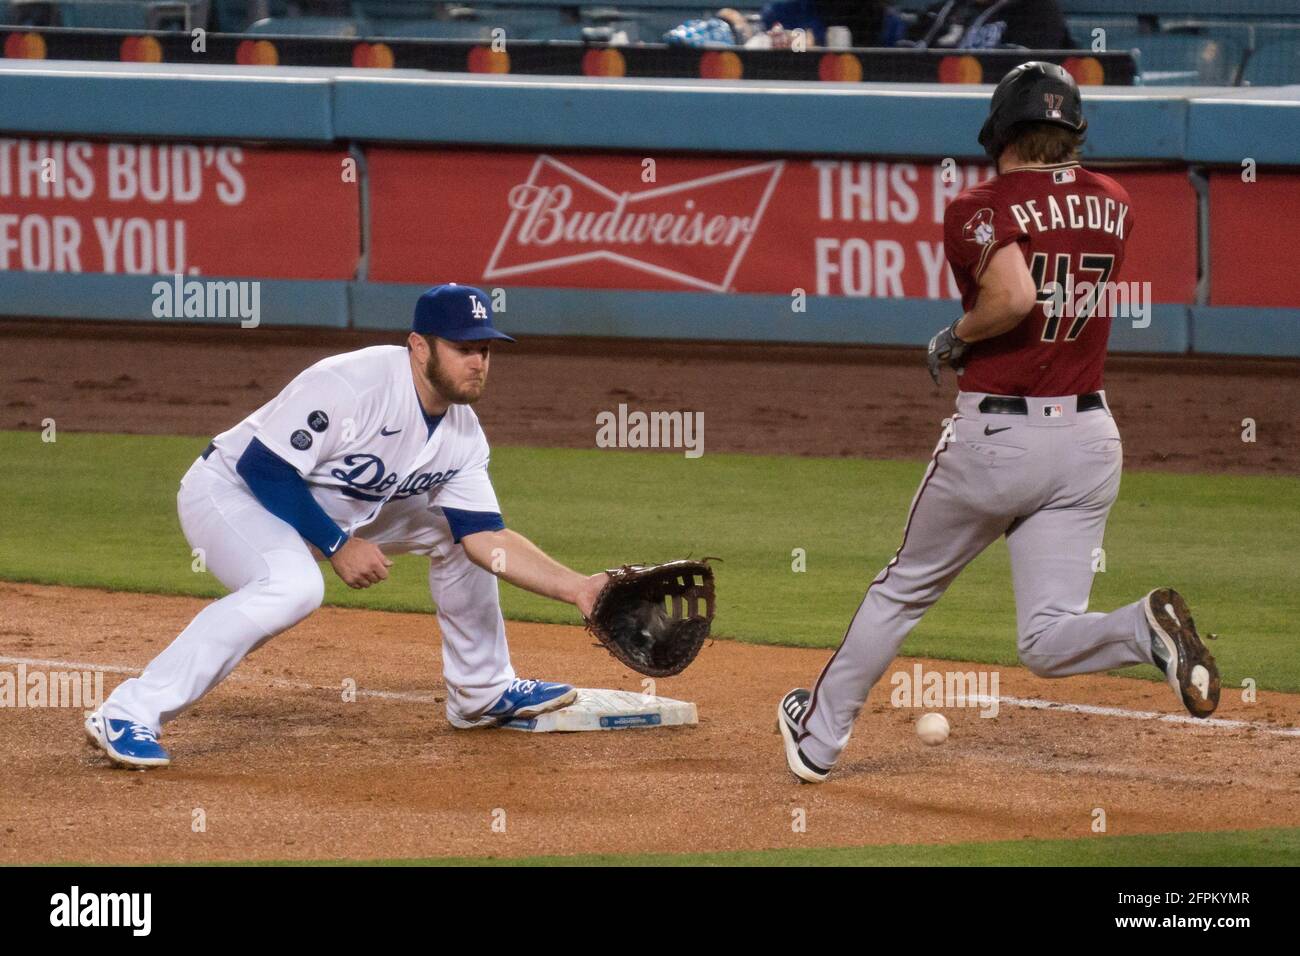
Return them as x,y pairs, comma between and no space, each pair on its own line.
1047,480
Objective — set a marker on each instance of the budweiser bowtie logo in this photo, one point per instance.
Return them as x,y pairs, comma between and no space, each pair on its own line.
694,233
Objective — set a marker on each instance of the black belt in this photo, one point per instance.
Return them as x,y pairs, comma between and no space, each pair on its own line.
212,446
1008,405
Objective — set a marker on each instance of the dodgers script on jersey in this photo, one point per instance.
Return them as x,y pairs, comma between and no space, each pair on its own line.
1071,224
358,441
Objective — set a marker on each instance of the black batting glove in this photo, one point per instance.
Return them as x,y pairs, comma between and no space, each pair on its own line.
946,349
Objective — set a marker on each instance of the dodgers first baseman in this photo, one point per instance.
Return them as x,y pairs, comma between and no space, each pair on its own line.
366,454
1032,451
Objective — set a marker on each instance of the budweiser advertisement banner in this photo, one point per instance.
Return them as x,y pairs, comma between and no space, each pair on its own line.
829,227
1252,227
175,208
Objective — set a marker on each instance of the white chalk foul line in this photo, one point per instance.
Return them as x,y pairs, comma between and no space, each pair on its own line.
71,665
983,700
410,696
1092,709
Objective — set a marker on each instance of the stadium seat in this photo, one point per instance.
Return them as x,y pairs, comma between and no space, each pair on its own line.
395,9
40,13
641,25
1179,59
1235,31
1267,33
517,20
177,14
1276,64
432,29
604,32
542,31
525,24
133,14
654,21
1119,31
104,14
235,16
310,27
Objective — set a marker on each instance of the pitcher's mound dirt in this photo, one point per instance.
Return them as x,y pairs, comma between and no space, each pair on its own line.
275,765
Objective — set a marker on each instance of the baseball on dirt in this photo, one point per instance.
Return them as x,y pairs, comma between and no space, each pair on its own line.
932,729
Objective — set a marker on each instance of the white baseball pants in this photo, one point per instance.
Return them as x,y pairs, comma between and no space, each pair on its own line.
275,583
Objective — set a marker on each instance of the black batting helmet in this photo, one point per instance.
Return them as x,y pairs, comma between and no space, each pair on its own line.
1034,92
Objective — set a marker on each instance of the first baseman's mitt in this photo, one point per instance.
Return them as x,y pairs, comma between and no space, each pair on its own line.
655,618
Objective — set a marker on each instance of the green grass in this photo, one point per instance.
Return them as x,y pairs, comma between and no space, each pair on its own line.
1273,847
1228,848
99,510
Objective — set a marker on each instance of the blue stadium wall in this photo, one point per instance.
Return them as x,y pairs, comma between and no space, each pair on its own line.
1190,129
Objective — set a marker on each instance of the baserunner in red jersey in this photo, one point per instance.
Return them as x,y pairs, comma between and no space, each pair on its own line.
1032,451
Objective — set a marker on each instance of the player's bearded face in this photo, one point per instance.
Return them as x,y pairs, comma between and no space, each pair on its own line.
458,370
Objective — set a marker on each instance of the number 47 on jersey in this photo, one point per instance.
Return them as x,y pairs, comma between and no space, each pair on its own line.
1058,294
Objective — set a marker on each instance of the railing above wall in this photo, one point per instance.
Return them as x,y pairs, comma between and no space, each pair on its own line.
555,57
1177,8
304,104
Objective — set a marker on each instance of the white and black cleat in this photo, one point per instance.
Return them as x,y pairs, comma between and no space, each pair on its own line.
1188,665
789,721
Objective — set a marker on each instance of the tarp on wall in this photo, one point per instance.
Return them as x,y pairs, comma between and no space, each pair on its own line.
675,223
76,206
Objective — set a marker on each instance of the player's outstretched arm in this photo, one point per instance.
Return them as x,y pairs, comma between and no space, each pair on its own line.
510,555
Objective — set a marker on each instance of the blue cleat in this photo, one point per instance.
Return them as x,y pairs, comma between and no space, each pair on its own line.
126,742
523,698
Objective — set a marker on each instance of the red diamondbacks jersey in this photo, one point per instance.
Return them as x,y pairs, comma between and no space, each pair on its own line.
1071,225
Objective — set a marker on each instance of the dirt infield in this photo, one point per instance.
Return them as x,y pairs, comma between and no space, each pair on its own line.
1175,414
282,768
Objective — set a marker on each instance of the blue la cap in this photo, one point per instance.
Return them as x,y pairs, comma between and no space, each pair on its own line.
458,313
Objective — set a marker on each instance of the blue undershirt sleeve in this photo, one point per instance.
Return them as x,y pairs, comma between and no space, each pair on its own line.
468,522
282,491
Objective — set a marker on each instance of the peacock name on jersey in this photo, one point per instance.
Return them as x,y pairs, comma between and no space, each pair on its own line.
1079,212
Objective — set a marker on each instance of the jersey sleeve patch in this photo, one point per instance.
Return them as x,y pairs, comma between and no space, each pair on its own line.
979,228
300,425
